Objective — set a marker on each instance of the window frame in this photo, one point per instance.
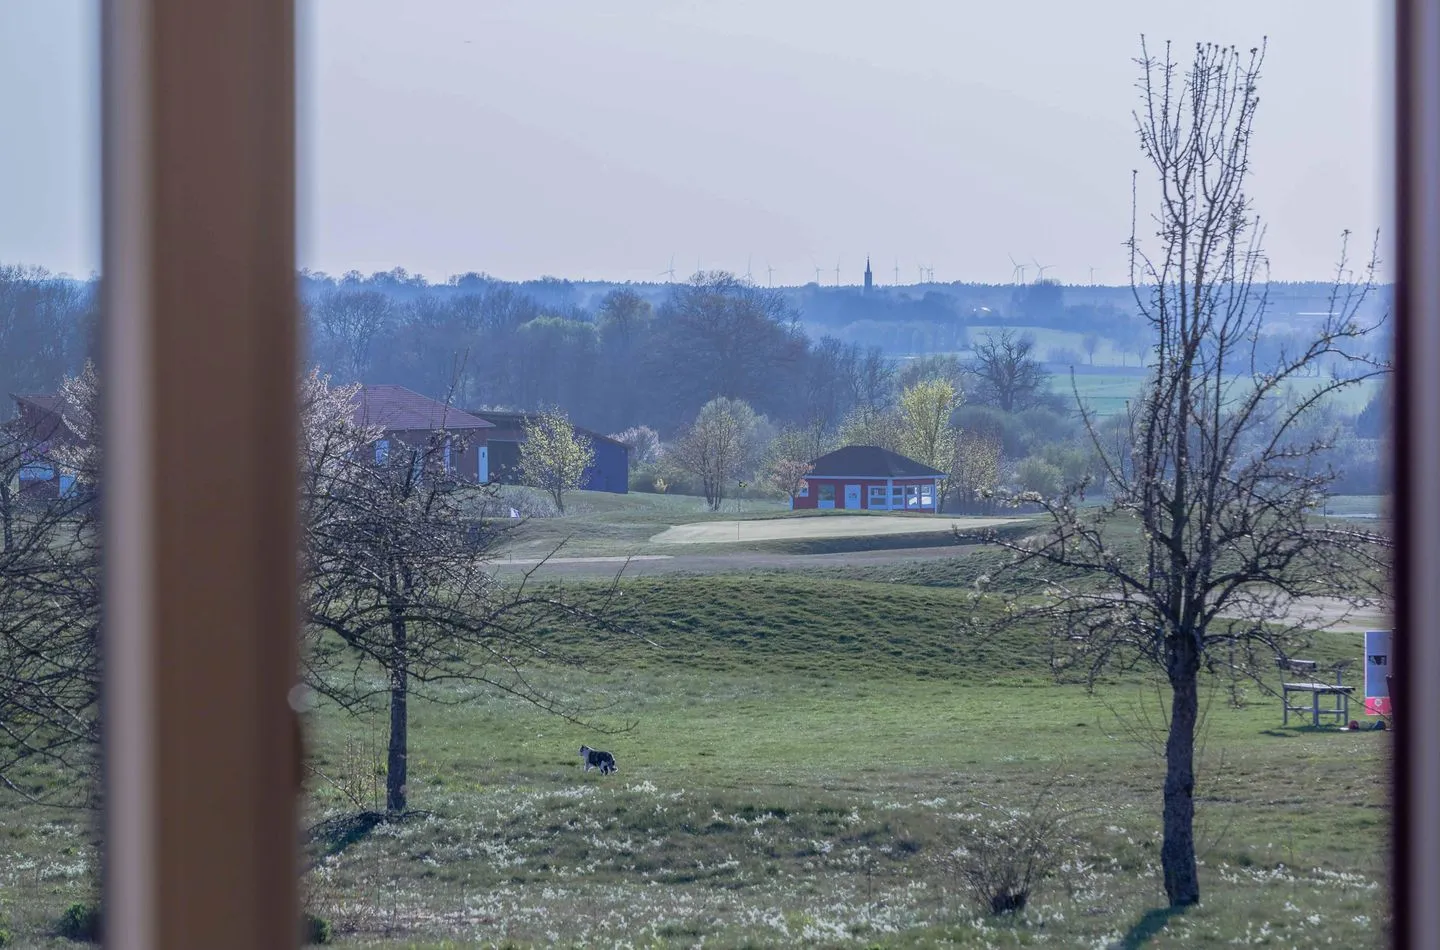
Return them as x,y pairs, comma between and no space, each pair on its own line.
219,130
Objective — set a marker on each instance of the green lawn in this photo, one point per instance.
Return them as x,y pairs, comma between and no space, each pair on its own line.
800,757
1106,393
608,524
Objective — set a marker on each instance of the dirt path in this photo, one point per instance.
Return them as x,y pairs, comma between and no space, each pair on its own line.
652,564
829,526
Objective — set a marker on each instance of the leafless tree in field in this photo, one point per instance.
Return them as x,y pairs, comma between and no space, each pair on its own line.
50,606
398,595
1010,376
1211,544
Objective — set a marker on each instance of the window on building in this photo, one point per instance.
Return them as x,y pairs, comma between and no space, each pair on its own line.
827,493
36,472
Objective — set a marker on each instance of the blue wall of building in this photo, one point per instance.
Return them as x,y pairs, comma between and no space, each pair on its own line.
611,471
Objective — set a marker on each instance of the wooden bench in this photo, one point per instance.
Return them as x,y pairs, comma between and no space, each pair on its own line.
1339,693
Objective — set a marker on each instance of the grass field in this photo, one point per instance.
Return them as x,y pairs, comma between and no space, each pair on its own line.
606,524
1106,393
800,757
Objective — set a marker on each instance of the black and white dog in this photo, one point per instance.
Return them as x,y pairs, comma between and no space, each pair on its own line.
595,759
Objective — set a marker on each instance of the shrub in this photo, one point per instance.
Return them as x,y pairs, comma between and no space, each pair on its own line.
1037,475
80,922
1007,856
316,930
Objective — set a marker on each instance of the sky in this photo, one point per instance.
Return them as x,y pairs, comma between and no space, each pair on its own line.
576,139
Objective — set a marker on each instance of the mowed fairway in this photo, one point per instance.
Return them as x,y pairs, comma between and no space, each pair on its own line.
799,759
821,527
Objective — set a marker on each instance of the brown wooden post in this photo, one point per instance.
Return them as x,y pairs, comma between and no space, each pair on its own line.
199,376
1416,447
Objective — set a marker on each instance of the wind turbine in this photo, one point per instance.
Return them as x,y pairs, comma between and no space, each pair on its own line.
837,272
817,272
748,278
769,274
897,272
930,274
670,271
1040,270
920,275
1018,274
1092,277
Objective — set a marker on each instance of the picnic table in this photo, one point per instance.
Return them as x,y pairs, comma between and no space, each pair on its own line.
1337,693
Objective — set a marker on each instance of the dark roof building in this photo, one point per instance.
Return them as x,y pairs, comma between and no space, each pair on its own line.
38,428
869,478
872,462
397,409
409,418
610,471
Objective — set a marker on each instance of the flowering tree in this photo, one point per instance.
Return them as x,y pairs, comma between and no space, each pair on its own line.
553,456
720,447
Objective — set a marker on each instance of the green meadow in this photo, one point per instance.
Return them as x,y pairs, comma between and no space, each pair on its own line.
804,760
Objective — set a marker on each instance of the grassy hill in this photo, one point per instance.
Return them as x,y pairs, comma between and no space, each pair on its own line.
801,755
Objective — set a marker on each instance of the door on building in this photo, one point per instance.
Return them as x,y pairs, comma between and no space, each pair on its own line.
852,496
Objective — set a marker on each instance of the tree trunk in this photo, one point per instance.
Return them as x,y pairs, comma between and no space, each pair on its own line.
1177,853
5,517
397,764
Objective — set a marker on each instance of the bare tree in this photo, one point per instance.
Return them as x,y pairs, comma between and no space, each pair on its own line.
720,336
1010,376
1209,467
397,583
720,447
50,608
1090,342
875,378
348,322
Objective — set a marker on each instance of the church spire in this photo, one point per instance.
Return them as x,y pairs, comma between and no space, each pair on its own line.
869,278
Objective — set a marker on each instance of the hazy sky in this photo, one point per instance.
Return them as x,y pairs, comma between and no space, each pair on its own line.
584,139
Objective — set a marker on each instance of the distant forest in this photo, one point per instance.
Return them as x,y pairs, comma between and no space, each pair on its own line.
616,356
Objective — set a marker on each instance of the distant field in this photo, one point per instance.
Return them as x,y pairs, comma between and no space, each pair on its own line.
1048,341
1358,506
1107,393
